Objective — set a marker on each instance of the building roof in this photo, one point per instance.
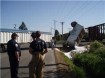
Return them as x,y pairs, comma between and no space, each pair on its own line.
21,31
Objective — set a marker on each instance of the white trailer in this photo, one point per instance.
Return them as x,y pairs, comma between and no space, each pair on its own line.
24,37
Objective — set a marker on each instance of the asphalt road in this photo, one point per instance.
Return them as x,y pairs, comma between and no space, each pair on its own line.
49,69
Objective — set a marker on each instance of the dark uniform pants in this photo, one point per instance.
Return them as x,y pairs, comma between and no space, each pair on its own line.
36,66
14,64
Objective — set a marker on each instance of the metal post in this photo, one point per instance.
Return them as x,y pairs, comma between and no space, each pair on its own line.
15,26
62,29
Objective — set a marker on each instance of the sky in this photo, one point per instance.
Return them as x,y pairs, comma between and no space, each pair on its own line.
40,15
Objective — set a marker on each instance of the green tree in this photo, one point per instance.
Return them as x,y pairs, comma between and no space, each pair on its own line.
58,37
23,26
56,33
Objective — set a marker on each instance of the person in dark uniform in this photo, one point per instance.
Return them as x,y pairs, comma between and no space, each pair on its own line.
33,35
14,54
37,49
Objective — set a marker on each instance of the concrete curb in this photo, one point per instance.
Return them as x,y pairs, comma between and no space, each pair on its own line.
61,64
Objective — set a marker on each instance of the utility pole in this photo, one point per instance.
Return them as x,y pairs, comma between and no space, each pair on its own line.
15,26
62,29
52,29
54,25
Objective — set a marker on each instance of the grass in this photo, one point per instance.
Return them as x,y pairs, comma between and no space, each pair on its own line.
76,71
90,64
93,62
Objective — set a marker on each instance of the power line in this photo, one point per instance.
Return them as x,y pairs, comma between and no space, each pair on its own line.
58,11
89,9
62,10
80,10
71,10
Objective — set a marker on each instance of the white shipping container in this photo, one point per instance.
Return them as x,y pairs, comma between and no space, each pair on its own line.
23,36
1,41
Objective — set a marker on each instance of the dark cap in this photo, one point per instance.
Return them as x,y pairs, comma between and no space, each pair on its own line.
14,34
33,34
38,33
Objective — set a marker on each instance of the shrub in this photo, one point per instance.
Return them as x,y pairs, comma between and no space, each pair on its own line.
58,37
100,52
93,64
77,71
95,45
